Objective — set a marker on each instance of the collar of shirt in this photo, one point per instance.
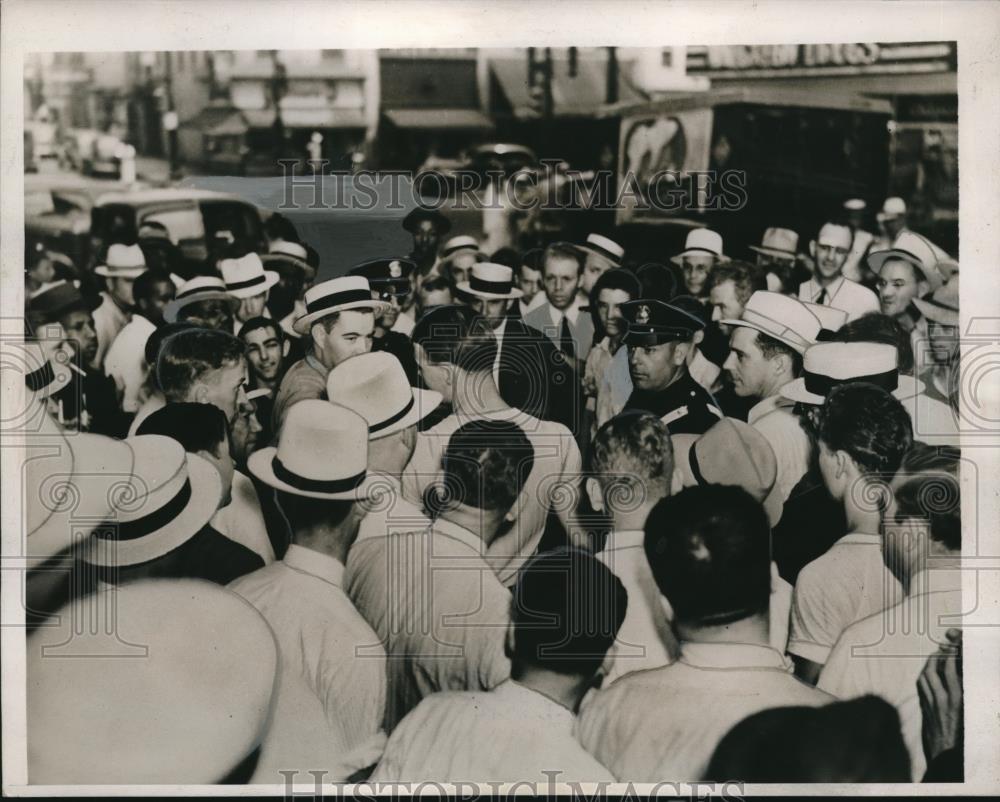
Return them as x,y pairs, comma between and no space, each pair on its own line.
141,326
733,655
443,528
623,539
572,312
534,704
321,566
862,538
316,365
762,408
499,331
815,288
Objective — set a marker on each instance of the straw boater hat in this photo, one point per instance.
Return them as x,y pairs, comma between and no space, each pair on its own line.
337,295
942,306
731,452
375,386
701,242
914,249
181,493
778,242
605,248
831,319
457,244
124,261
282,254
322,453
827,365
780,317
489,280
200,288
892,208
245,277
177,692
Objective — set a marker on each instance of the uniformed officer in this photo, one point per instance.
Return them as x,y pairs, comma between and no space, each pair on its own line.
659,339
389,279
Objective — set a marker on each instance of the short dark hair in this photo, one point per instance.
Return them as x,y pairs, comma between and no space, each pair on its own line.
875,327
658,282
869,424
188,355
437,282
563,250
157,338
197,427
567,610
771,348
747,278
709,551
937,498
633,450
486,464
261,322
458,336
142,289
617,278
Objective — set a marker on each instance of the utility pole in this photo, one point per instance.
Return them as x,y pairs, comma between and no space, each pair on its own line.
279,85
170,121
612,87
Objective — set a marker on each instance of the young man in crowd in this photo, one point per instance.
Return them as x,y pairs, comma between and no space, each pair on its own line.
600,254
390,280
702,252
427,226
941,357
778,261
122,266
267,350
828,286
730,286
204,366
528,277
434,291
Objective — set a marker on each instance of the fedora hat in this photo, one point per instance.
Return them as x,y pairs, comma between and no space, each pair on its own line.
52,301
489,280
418,215
124,261
337,295
322,452
780,242
701,242
912,248
460,243
780,317
200,288
180,494
827,365
177,692
375,386
245,277
830,318
731,452
605,248
892,208
942,305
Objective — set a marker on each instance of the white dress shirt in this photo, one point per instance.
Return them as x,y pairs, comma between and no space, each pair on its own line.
242,520
109,320
548,320
885,653
510,734
847,583
125,360
843,294
147,408
536,301
325,646
438,608
792,448
664,724
498,332
614,387
554,477
389,513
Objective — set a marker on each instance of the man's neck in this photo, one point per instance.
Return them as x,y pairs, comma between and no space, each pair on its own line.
826,281
630,520
773,387
858,503
334,541
567,690
476,393
681,370
124,307
755,629
267,384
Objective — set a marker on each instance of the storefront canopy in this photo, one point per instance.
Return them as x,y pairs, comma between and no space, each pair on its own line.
466,119
318,118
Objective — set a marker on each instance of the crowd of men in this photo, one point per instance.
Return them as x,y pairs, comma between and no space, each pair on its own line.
459,516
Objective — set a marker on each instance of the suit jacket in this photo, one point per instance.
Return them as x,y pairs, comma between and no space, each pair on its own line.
540,318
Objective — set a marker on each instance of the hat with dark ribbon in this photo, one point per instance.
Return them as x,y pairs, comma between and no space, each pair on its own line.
336,295
489,280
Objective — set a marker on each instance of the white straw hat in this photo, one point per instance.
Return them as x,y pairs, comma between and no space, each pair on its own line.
199,288
701,242
337,295
781,317
604,247
245,277
782,242
912,248
489,280
124,261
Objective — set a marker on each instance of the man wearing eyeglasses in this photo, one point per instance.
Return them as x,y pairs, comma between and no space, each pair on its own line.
828,286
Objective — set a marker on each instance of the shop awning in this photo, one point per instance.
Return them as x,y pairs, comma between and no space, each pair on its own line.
318,118
471,119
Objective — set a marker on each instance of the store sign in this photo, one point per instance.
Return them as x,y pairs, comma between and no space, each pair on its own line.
849,58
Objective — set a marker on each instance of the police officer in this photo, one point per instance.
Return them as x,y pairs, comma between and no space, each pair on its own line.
389,279
660,338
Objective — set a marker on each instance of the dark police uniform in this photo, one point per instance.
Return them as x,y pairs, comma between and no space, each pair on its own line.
684,405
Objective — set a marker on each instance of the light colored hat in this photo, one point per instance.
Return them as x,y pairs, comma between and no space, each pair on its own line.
893,207
245,277
375,386
942,306
322,453
855,205
181,493
781,317
731,452
124,261
701,241
337,295
778,242
914,249
200,288
460,243
286,248
489,280
177,691
827,365
830,318
604,247
44,365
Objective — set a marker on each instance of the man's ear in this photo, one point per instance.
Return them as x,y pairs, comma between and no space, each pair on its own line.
812,248
595,494
844,463
199,393
681,351
285,348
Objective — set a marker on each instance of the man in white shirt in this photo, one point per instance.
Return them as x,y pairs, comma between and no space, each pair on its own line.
124,264
456,351
709,551
828,286
566,610
432,596
885,653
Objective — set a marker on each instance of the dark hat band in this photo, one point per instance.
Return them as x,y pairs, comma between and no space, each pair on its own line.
339,299
700,250
250,282
496,287
939,305
818,384
695,467
456,248
194,292
315,485
613,257
394,418
147,524
40,378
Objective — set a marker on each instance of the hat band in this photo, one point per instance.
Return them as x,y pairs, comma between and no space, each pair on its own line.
393,419
147,524
774,328
604,252
250,282
338,299
456,248
818,384
765,247
695,467
700,250
495,287
123,268
939,305
315,485
196,291
40,378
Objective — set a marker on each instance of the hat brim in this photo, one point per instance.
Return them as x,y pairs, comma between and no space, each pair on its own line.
303,324
463,286
270,279
907,387
173,308
616,261
718,257
773,252
939,315
424,403
206,493
876,261
285,258
127,272
798,347
260,466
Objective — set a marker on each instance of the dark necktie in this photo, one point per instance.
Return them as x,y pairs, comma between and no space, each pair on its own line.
566,339
822,297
